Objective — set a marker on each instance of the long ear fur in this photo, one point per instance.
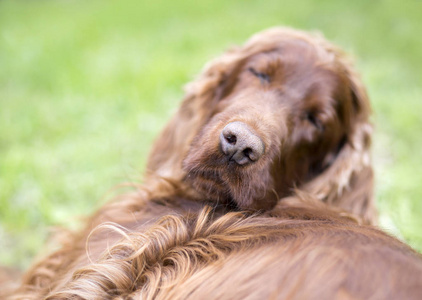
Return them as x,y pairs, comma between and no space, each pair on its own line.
348,182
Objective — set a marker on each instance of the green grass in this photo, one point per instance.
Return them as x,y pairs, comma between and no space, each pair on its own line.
86,85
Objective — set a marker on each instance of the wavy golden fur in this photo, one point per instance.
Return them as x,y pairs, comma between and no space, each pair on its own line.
297,104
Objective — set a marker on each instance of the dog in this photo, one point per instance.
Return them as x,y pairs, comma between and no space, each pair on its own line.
284,114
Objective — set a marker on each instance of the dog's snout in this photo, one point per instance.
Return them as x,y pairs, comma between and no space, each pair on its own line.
240,144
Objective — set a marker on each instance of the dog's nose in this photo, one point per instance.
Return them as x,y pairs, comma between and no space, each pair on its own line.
240,144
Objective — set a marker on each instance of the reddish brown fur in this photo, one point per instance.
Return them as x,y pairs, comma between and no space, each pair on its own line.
313,119
302,249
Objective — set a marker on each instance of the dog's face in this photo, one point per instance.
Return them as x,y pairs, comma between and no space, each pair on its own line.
278,112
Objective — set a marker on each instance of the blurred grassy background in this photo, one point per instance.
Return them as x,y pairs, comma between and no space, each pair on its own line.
86,85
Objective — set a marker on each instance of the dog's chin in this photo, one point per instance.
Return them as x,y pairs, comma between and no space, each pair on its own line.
207,180
208,184
226,183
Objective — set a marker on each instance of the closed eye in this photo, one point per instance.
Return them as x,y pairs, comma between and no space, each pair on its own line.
262,76
314,121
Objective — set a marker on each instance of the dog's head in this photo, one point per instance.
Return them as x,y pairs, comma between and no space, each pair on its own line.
284,111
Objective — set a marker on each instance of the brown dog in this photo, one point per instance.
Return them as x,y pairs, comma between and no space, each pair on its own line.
285,112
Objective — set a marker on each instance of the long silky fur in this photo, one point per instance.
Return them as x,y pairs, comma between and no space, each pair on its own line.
301,250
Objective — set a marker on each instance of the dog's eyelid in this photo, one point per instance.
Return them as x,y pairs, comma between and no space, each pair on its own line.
313,119
262,76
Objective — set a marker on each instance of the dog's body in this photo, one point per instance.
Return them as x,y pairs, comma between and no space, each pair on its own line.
283,115
301,249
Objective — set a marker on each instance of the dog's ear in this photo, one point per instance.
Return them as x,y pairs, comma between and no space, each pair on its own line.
348,181
199,105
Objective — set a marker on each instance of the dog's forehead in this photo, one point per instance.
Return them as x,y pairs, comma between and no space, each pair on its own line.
294,45
296,51
298,73
295,64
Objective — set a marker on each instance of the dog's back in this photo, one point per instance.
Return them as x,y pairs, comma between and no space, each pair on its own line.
292,253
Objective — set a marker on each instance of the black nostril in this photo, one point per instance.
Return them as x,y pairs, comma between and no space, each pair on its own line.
231,139
240,144
247,152
253,155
